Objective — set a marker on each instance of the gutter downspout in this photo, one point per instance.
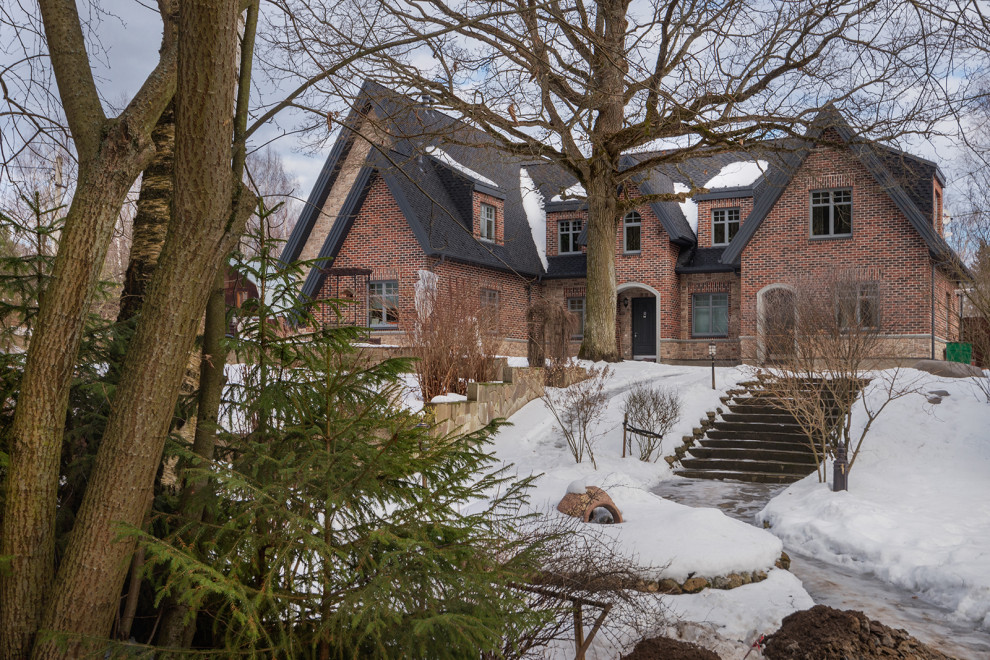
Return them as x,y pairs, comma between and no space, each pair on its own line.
933,308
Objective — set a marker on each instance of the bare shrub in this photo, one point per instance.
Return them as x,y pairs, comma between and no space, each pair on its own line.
578,409
583,570
454,337
652,408
821,342
551,327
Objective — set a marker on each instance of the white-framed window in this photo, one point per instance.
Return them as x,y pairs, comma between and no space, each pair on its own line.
487,222
568,231
576,307
710,315
632,226
858,306
725,224
383,304
831,212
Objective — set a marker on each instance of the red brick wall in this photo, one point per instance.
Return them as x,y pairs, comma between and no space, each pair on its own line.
380,239
513,294
652,266
882,241
705,207
688,347
499,204
553,229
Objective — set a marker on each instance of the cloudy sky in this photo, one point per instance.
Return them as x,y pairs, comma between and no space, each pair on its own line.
131,36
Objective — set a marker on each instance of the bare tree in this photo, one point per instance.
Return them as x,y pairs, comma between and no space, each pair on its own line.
587,83
825,344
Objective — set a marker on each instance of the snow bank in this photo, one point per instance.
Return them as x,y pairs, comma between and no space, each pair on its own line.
689,207
449,161
738,174
536,215
657,532
917,514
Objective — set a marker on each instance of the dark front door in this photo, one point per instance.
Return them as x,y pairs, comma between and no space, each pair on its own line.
644,327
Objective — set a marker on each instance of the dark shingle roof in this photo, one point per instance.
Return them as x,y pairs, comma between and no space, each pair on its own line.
428,190
702,260
567,265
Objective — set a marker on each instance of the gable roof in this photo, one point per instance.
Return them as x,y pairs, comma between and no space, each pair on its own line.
428,187
906,179
435,163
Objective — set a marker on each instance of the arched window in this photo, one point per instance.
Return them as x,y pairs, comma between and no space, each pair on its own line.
631,231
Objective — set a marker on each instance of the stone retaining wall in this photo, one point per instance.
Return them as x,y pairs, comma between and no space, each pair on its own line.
488,401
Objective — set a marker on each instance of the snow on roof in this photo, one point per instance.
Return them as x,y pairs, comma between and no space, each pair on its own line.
739,174
575,191
447,160
689,207
536,215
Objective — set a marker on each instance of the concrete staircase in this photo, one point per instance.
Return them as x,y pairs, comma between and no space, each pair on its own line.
753,440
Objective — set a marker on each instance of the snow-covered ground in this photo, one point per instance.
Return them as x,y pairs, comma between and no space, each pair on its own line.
663,536
917,513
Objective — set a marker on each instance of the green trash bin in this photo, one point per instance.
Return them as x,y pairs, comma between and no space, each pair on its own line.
957,351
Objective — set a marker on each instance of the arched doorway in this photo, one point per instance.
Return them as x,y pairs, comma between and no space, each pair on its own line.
777,322
639,311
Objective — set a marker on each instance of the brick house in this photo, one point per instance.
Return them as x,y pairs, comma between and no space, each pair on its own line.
407,189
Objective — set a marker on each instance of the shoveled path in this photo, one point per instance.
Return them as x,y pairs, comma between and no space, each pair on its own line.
836,586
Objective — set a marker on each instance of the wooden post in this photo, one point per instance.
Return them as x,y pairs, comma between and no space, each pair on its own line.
578,631
625,420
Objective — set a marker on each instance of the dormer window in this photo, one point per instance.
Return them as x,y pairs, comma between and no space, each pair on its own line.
487,222
632,225
725,224
569,232
831,213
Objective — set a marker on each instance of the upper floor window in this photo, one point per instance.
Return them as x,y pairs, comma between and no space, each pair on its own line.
858,306
487,222
569,230
725,224
383,303
710,315
831,212
576,307
632,225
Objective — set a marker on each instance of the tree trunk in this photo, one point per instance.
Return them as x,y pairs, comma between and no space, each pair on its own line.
600,293
36,436
609,66
92,572
153,212
175,629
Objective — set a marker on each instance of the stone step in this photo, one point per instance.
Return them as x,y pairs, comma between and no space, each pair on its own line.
775,417
757,428
711,443
758,436
746,465
755,453
755,409
752,477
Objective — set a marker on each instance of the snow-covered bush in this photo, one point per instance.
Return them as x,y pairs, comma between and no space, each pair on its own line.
652,408
578,409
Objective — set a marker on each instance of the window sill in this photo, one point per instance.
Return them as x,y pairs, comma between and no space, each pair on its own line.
830,237
633,253
486,240
693,336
